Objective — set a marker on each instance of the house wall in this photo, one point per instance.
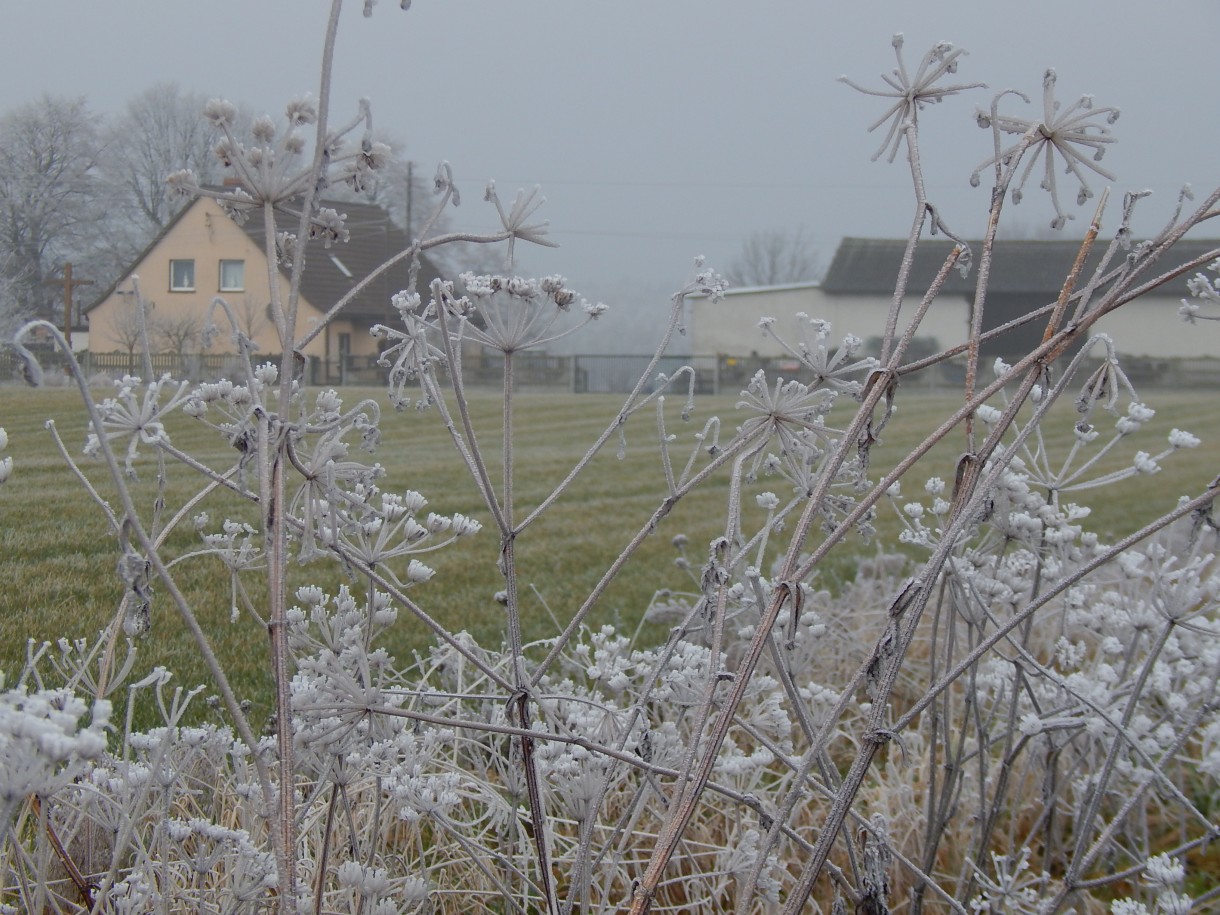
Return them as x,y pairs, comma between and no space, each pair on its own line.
203,234
730,326
362,342
1151,327
1148,327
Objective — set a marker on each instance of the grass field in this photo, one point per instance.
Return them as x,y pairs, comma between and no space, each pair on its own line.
59,560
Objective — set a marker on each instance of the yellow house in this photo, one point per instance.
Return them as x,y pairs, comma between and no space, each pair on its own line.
202,254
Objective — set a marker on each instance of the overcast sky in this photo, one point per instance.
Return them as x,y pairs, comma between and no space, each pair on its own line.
663,129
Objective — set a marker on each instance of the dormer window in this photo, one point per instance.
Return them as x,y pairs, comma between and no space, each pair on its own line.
182,276
232,276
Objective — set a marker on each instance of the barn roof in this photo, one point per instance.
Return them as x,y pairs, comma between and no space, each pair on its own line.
869,266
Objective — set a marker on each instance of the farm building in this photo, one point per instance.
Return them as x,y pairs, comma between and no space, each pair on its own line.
855,296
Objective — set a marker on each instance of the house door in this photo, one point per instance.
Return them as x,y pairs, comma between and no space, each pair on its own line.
345,356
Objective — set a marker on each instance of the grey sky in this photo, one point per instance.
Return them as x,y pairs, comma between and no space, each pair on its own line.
662,130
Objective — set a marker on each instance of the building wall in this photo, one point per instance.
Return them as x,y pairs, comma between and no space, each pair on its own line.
730,326
1147,327
1151,327
205,235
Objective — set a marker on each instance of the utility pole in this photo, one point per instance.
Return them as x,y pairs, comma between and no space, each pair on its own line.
69,285
410,193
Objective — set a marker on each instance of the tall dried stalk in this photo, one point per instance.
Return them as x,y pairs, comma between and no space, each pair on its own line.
762,756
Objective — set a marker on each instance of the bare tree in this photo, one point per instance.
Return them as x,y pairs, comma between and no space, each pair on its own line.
181,335
178,334
161,131
406,189
251,317
128,328
48,151
774,256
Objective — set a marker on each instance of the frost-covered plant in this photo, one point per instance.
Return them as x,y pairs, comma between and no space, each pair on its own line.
1077,137
47,736
1001,711
1205,291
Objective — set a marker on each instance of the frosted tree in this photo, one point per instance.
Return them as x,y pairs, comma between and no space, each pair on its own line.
48,150
160,131
771,257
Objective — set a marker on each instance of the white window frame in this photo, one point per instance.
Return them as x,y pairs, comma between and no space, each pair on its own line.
241,284
173,284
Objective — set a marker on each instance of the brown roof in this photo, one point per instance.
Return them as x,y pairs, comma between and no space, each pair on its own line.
866,266
331,272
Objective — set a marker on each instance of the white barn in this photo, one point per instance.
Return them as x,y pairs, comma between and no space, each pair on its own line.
855,296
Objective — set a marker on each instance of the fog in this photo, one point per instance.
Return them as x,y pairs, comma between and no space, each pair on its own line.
661,131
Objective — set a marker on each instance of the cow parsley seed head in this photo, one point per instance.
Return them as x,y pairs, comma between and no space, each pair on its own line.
832,370
516,313
46,736
768,501
1145,463
414,891
220,112
311,595
913,92
514,219
183,183
136,420
1078,136
1085,432
1139,412
1180,439
263,129
267,374
1206,291
1170,903
369,881
418,572
301,112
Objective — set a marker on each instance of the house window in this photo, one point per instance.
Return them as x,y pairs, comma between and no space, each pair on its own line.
182,276
232,276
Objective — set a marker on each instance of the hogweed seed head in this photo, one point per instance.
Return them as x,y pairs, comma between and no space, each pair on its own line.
1074,139
913,92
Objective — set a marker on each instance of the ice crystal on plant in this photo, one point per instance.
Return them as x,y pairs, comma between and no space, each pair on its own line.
134,419
514,220
913,92
6,463
46,738
1076,136
831,370
1206,292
